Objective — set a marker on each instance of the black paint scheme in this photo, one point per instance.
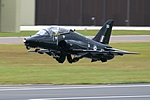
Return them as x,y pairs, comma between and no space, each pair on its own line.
61,43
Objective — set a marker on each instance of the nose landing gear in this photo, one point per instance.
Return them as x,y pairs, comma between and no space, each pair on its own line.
28,47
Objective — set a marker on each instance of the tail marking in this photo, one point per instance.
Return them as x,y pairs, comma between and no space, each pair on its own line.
102,38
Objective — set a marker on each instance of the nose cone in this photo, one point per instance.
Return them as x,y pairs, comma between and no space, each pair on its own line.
28,42
28,39
24,40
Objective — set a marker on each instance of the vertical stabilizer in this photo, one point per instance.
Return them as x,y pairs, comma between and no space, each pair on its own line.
103,35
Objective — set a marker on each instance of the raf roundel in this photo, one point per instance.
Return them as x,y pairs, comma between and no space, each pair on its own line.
94,47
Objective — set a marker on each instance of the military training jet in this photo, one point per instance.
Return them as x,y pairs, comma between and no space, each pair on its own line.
61,43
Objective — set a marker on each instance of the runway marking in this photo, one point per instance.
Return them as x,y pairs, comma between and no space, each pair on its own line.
103,97
68,87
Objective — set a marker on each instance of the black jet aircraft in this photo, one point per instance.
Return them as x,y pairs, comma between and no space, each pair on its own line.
61,43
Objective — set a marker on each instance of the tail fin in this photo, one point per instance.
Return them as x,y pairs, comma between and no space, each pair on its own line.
103,35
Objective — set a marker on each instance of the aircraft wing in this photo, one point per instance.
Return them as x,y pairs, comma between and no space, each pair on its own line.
111,51
122,52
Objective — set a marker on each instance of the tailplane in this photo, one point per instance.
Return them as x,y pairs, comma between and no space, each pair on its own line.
103,36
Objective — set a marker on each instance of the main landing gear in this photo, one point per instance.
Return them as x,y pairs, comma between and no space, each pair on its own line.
70,60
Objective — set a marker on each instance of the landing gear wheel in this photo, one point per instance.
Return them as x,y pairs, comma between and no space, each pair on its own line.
28,47
61,59
75,59
69,58
104,60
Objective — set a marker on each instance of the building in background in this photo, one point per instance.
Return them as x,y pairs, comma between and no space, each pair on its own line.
92,12
14,13
10,15
27,12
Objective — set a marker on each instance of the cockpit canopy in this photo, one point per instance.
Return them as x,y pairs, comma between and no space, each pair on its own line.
52,30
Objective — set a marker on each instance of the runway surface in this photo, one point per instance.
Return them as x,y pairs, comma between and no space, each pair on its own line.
75,92
124,38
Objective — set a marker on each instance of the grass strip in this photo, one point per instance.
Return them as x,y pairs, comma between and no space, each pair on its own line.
17,66
86,33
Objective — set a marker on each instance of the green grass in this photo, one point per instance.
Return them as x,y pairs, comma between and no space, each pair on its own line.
116,32
19,34
86,33
17,66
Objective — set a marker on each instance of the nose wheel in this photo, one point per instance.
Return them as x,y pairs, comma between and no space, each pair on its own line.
28,47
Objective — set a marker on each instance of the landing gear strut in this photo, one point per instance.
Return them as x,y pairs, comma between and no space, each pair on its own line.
61,59
70,60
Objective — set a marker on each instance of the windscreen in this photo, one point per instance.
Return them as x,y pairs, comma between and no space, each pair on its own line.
41,32
51,31
59,30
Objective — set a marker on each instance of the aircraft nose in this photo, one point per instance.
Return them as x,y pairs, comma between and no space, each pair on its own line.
24,40
27,42
30,42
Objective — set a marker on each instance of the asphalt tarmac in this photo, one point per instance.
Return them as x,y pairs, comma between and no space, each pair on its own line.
116,39
75,92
